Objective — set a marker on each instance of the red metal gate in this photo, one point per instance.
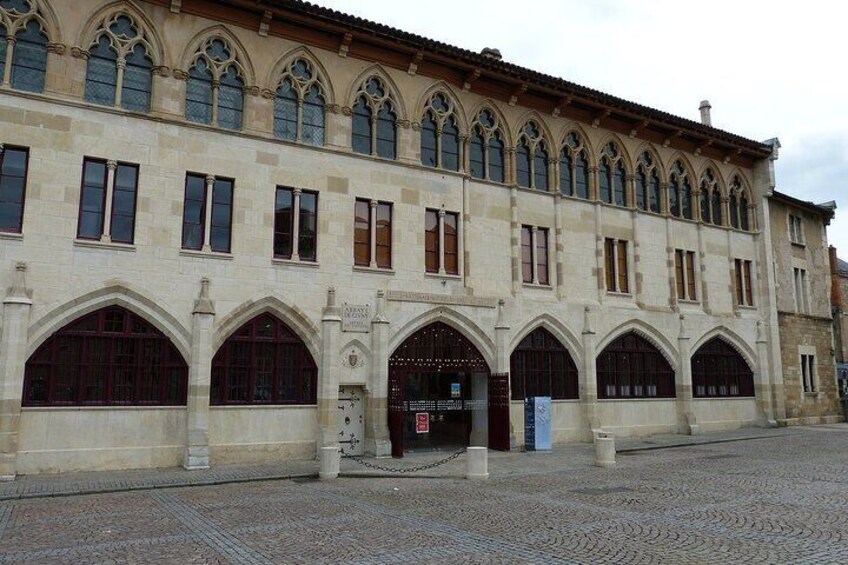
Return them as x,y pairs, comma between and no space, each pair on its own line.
396,411
499,411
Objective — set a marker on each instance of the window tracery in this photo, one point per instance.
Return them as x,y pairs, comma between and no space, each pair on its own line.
680,192
738,204
23,45
299,104
486,148
574,167
440,145
711,199
120,66
531,158
374,121
612,178
648,184
215,90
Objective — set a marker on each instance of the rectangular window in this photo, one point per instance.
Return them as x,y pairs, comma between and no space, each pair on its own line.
448,233
287,199
431,241
542,256
802,302
372,240
744,291
808,373
196,233
13,174
451,243
684,271
526,254
615,263
97,190
796,229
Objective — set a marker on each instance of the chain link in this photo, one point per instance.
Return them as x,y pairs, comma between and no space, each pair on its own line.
432,465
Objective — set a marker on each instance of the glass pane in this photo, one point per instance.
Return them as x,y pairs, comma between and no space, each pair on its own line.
361,139
92,200
476,156
285,112
384,236
496,160
138,81
199,94
565,174
3,47
362,233
522,165
193,212
686,200
604,189
428,141
308,226
230,100
30,59
431,241
283,223
717,203
581,182
540,169
313,118
450,146
102,74
620,181
219,233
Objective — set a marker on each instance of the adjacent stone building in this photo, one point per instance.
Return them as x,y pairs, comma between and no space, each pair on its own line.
237,231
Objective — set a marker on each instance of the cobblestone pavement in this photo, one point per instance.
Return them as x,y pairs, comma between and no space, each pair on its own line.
782,499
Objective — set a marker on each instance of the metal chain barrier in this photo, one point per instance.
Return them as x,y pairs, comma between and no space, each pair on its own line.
433,465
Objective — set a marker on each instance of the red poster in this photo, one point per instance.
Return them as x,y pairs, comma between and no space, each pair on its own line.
422,422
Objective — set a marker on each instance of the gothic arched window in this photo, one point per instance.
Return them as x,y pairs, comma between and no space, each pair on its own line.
711,199
299,104
574,167
440,134
23,43
632,367
215,89
264,362
679,192
612,179
541,366
647,184
120,55
374,121
486,148
531,158
738,204
719,370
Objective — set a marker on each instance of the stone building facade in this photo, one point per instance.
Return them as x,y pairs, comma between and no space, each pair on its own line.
237,232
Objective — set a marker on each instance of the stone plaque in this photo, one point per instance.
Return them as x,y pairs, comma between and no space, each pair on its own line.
403,296
356,317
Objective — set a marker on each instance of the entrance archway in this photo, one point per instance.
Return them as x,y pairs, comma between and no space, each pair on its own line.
443,395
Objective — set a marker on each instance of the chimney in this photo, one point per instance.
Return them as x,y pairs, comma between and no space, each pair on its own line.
491,53
705,113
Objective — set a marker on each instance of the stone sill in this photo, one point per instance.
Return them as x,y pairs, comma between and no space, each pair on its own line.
206,254
98,408
97,244
619,294
553,401
798,244
722,398
631,399
811,394
11,236
445,276
264,406
538,286
292,263
375,270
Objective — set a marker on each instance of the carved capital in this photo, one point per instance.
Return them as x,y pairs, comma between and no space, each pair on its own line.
79,53
161,71
251,90
268,94
56,48
416,126
180,74
347,110
332,108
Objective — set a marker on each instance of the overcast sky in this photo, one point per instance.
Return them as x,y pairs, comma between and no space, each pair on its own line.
769,69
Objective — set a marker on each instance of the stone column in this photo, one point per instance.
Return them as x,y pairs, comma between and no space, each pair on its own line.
111,167
207,222
559,244
686,421
196,455
767,394
588,379
515,240
7,64
54,81
328,385
76,69
13,347
377,442
502,355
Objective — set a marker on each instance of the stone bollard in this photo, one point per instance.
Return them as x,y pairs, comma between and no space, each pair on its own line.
604,450
329,459
478,463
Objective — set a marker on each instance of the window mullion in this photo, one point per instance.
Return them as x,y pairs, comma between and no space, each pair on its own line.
7,70
111,166
439,147
296,223
374,132
119,83
441,252
298,136
215,85
534,235
207,213
372,233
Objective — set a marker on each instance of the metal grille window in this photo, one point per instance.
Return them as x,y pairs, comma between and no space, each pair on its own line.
719,370
632,367
684,274
108,201
372,239
531,158
264,362
207,213
287,223
541,366
441,241
374,121
120,68
111,357
439,134
215,89
615,263
23,46
13,176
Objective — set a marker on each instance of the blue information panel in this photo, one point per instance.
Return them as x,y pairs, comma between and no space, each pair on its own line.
537,423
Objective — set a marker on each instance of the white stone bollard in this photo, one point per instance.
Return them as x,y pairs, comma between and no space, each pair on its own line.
478,463
604,450
330,459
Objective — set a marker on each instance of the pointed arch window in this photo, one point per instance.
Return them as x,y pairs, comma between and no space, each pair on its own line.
374,121
711,199
574,167
531,158
440,145
647,184
632,367
486,148
718,370
119,71
738,204
215,89
23,46
264,362
110,357
680,192
541,366
299,104
612,178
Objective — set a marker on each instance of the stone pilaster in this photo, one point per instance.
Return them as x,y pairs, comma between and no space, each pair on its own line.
502,357
377,442
196,455
338,123
169,89
588,381
686,421
259,111
765,392
13,346
328,385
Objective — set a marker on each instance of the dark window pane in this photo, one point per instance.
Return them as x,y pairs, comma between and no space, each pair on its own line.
565,174
123,204
30,59
705,203
619,184
102,74
743,213
285,112
3,47
734,211
717,204
138,81
313,118
362,233
541,366
540,169
384,235
361,139
674,198
431,241
450,146
581,181
655,193
632,367
496,160
686,200
283,223
641,191
604,189
199,94
522,165
92,200
526,254
222,198
476,149
12,190
230,100
386,133
194,212
308,226
428,141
